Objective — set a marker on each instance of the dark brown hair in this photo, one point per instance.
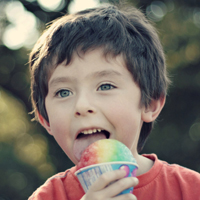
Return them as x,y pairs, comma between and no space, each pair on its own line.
116,30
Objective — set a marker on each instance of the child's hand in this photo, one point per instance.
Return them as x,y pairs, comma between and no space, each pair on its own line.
101,190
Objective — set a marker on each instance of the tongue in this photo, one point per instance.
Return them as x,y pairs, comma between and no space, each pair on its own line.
82,143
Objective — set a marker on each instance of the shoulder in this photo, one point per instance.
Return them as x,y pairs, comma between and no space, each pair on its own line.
173,173
183,179
57,186
168,181
57,179
174,170
180,173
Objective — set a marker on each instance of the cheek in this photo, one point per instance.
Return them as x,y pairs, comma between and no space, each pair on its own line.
124,115
60,132
126,120
57,115
59,127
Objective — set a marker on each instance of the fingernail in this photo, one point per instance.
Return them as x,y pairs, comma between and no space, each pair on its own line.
136,180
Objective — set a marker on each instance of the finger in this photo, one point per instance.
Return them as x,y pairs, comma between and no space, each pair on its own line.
120,185
106,178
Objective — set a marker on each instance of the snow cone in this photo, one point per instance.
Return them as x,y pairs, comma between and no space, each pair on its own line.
102,156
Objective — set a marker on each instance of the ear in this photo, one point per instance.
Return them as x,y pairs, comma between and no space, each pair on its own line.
153,110
44,123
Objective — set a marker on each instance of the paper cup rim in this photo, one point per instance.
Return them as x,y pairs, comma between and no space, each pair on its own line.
99,164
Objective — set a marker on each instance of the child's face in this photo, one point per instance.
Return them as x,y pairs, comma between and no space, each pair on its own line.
93,93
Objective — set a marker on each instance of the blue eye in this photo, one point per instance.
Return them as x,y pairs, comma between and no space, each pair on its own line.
106,87
63,93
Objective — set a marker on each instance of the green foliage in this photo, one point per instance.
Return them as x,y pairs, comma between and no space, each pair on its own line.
23,150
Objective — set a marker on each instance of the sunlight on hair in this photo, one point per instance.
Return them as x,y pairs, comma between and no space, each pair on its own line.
22,30
51,5
78,5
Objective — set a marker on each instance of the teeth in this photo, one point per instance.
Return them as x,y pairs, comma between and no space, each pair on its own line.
94,130
90,131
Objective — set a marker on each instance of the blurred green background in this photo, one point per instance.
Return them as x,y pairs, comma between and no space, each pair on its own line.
28,155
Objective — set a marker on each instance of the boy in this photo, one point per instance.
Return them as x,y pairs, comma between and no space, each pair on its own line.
100,73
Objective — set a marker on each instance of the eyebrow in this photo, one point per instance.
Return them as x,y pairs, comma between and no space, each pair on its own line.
105,73
98,74
62,79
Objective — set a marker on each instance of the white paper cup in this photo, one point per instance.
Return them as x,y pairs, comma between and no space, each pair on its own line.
88,175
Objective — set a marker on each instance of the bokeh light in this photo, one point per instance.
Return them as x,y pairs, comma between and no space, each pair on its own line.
16,129
17,180
51,5
192,52
28,155
196,17
156,10
78,5
22,30
195,132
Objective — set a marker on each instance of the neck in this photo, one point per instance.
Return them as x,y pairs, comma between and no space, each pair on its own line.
144,164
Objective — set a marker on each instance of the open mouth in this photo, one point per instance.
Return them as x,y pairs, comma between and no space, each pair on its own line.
87,137
87,133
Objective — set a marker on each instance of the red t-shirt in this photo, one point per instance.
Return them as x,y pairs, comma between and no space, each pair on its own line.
163,181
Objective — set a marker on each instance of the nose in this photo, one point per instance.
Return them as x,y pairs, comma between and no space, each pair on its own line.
84,106
83,112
